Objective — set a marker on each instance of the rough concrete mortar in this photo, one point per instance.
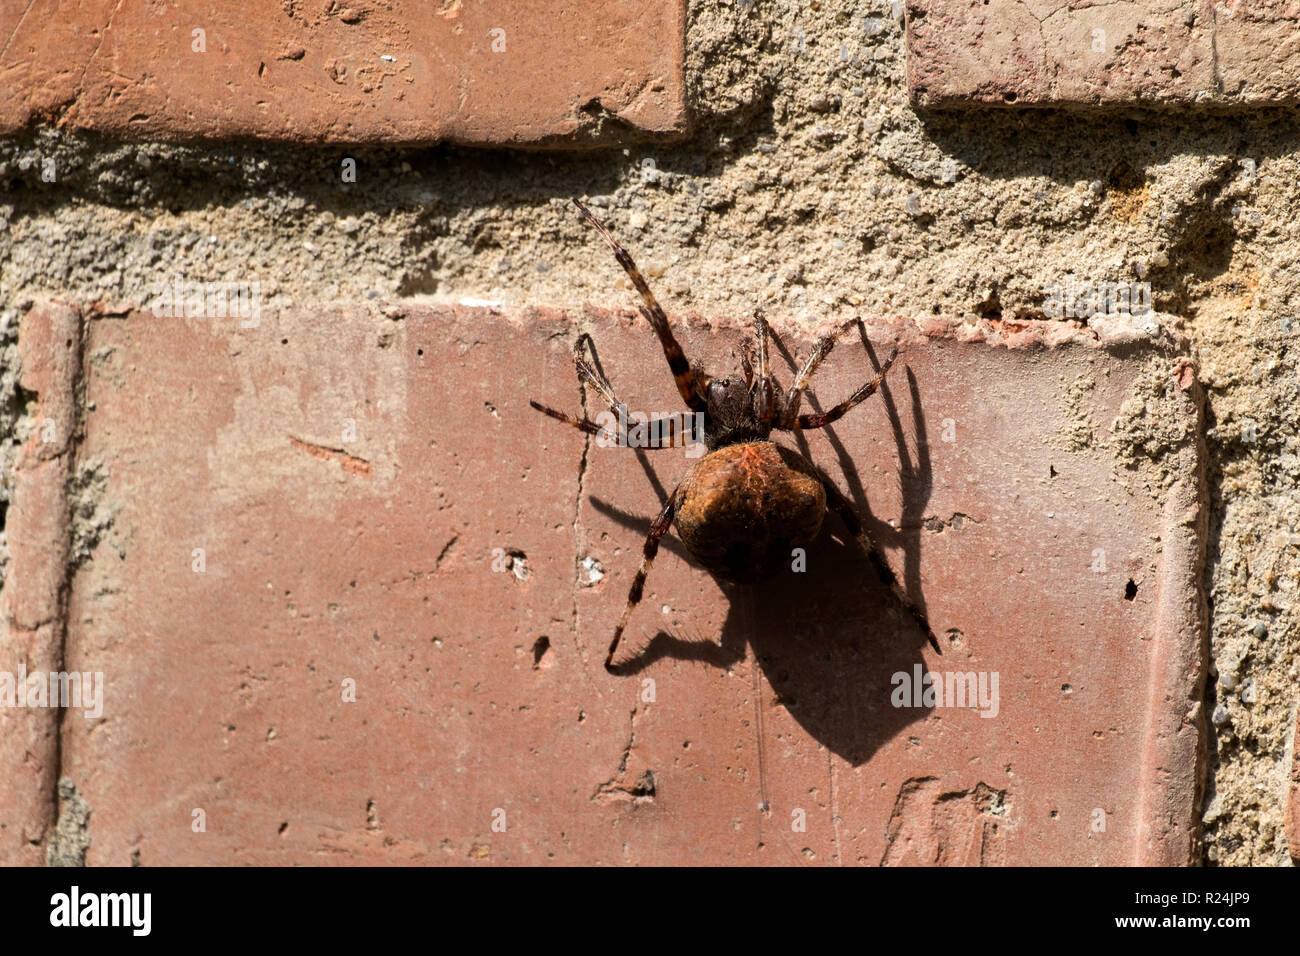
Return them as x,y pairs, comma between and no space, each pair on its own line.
71,838
812,187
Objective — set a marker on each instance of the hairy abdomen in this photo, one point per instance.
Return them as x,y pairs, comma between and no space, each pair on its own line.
745,508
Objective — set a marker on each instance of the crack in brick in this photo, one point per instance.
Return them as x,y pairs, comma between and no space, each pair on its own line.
1215,73
81,83
642,790
579,548
17,26
446,550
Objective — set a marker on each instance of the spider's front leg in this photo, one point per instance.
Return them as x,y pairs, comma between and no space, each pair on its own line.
835,501
691,383
667,432
658,528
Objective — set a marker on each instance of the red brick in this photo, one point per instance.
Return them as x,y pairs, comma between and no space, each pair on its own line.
223,687
392,71
1046,52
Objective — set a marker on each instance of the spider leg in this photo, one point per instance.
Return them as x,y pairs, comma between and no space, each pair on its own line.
746,360
659,432
866,391
837,502
582,424
588,373
822,349
764,387
658,528
688,383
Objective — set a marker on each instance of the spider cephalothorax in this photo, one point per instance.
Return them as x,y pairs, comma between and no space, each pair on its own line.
749,502
730,415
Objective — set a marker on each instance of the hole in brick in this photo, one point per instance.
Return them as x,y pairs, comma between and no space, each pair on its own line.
1130,590
1051,471
644,788
284,826
1010,95
595,570
518,564
541,647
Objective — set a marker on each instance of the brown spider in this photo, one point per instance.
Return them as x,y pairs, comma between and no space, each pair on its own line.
748,503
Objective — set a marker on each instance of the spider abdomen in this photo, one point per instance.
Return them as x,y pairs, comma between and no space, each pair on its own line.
745,507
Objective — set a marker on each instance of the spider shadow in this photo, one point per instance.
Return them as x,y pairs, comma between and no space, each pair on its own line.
915,474
831,637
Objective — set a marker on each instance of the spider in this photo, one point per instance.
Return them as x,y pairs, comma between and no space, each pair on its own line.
748,502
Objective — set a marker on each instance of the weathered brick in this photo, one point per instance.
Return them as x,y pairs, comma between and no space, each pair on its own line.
32,614
391,71
464,559
1257,46
1050,52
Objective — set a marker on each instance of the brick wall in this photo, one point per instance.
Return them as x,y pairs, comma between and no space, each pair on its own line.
279,285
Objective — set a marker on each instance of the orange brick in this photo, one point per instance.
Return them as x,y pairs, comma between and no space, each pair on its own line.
370,71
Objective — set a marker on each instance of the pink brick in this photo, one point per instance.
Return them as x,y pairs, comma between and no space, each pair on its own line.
329,556
1050,52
